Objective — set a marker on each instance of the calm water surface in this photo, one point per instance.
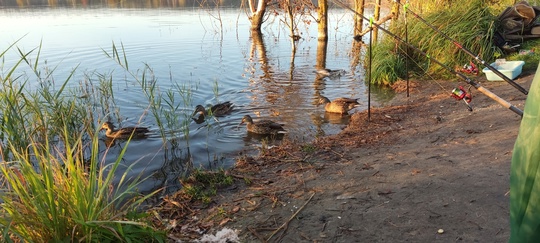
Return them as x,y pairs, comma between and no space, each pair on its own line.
187,50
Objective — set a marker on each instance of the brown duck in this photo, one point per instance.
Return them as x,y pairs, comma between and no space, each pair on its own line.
220,109
339,105
124,132
265,127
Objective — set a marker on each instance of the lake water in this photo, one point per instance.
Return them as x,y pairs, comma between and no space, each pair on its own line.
189,49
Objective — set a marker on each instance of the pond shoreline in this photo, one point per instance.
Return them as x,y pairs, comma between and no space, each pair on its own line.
423,168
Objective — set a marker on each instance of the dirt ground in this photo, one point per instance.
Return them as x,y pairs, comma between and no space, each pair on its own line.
423,169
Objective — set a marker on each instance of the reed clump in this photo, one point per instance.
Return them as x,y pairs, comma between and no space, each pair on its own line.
55,184
471,23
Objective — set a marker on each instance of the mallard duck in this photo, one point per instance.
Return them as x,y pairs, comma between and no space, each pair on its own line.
216,110
339,105
266,127
199,119
325,72
124,132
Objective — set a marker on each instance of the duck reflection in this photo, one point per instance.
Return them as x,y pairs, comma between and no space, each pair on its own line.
319,119
336,118
331,118
262,137
178,163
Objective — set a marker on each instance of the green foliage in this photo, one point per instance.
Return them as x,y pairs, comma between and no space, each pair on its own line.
387,65
469,23
309,148
218,178
58,196
55,187
247,181
202,185
530,53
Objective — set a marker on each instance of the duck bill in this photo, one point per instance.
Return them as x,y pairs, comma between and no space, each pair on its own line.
237,126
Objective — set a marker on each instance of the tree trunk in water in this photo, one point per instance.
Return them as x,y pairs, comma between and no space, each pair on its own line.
257,14
358,20
322,46
292,26
258,49
358,28
323,20
320,63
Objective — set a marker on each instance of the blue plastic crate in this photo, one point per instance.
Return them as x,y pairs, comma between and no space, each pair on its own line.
510,69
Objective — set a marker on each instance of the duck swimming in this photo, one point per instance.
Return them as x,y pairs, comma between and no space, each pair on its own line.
339,105
263,127
331,73
220,109
124,132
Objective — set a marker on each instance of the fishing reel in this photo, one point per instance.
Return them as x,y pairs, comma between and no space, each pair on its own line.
469,68
461,94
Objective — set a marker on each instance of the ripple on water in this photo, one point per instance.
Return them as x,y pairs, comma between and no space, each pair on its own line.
192,64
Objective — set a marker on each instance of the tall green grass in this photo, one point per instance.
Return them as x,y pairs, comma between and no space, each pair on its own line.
55,186
53,194
386,70
469,23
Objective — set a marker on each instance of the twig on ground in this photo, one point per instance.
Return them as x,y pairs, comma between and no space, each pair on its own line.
305,236
294,157
286,224
243,177
395,225
340,155
254,232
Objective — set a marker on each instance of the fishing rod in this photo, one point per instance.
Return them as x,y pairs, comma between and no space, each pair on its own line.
469,52
465,78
